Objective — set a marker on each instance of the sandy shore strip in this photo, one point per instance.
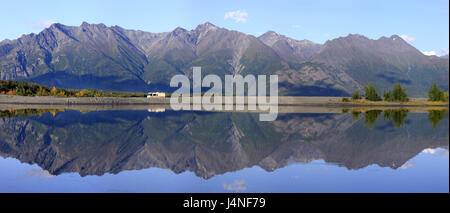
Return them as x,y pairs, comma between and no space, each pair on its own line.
157,108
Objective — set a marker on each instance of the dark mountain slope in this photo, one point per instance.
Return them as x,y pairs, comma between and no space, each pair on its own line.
384,61
113,58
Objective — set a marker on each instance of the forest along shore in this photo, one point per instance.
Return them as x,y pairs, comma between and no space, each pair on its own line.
282,101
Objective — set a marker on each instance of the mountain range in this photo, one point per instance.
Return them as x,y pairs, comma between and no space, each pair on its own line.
113,58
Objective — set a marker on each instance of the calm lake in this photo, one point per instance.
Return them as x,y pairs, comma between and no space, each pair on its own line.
186,151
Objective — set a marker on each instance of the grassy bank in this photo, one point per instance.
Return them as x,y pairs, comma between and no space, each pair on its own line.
410,102
8,87
396,96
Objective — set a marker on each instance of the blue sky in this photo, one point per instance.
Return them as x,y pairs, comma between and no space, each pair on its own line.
423,23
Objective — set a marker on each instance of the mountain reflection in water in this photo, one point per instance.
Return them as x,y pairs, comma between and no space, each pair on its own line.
212,143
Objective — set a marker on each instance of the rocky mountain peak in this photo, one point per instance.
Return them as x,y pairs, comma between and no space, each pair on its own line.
351,38
395,37
86,25
206,26
203,29
270,33
270,37
288,48
178,31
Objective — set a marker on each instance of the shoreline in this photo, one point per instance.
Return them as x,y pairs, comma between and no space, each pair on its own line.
286,104
282,101
163,108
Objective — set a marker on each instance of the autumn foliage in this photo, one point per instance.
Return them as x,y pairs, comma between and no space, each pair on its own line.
23,88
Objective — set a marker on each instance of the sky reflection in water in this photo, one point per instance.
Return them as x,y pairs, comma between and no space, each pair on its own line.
140,151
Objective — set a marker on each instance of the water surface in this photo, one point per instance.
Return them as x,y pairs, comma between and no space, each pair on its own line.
170,151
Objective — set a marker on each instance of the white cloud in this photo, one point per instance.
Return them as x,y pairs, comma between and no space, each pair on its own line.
237,185
407,38
437,151
440,52
429,151
297,26
41,24
429,53
407,165
238,16
39,173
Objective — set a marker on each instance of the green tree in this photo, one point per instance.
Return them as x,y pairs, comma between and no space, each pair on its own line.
42,92
356,95
445,96
20,91
370,93
355,115
398,117
435,116
435,94
371,117
398,93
